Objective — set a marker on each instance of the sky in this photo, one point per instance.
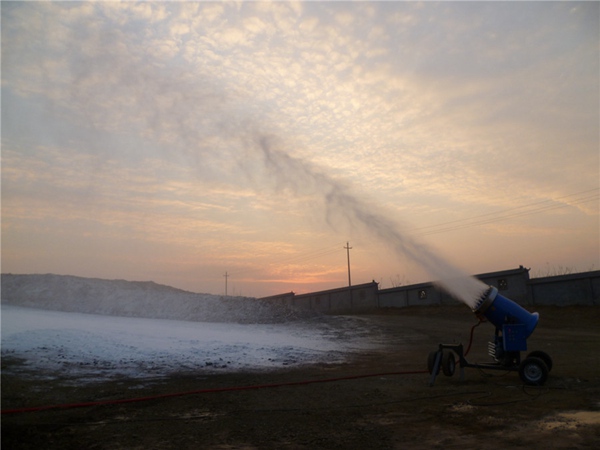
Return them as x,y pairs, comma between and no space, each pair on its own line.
243,145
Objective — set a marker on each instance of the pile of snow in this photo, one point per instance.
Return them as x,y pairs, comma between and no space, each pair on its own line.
85,347
138,299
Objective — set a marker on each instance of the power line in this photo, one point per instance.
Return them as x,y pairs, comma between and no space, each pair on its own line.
444,227
507,216
510,209
510,213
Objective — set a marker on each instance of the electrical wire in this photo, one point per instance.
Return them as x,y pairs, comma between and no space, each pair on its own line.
528,209
484,219
496,213
200,391
576,198
209,415
481,320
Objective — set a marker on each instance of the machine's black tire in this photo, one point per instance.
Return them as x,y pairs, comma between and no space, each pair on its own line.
533,371
431,362
543,356
448,364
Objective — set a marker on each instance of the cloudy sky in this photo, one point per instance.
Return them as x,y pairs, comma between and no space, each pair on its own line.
177,142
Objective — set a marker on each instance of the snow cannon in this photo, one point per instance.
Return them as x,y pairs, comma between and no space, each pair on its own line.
514,322
513,325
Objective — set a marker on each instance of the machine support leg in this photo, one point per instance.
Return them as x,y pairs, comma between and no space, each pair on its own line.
436,366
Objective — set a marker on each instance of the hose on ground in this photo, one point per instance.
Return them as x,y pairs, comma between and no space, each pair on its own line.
202,391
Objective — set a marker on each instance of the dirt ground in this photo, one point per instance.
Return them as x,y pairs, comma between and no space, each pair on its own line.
366,403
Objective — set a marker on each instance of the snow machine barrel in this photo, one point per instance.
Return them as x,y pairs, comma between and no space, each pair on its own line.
515,323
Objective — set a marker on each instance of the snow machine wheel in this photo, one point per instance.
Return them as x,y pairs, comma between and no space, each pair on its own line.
543,356
533,371
448,364
431,362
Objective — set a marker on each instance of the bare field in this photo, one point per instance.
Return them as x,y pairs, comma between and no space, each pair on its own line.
365,403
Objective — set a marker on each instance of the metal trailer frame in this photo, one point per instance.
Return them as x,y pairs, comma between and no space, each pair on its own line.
533,370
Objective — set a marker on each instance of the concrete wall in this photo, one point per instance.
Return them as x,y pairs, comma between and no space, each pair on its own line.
514,284
564,290
286,299
510,283
357,298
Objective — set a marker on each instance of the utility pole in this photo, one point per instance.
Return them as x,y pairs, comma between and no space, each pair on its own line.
347,247
226,276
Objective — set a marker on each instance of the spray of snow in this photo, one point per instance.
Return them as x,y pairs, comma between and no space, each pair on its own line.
139,299
90,348
343,209
85,329
207,122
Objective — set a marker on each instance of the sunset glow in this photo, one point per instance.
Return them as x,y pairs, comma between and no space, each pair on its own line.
178,142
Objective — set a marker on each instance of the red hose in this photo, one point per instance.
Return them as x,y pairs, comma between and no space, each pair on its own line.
200,391
471,337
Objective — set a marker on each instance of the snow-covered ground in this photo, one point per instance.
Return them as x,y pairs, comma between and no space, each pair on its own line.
88,347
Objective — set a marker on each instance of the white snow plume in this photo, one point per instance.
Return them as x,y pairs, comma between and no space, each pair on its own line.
211,124
342,209
138,299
